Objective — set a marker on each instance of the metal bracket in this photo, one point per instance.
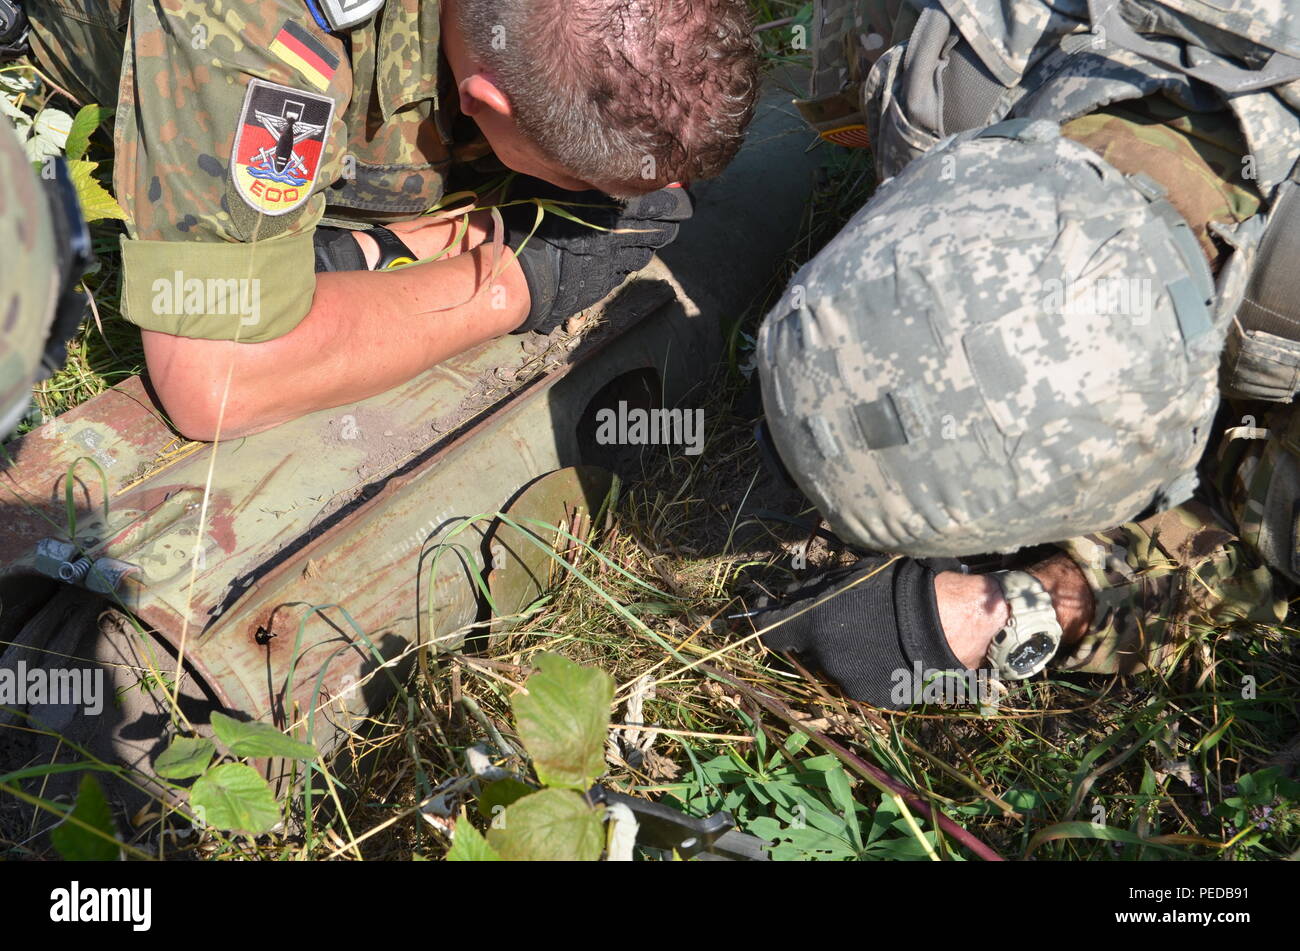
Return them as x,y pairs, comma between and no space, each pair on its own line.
58,560
662,827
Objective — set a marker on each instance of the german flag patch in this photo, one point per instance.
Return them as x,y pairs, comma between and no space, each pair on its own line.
305,53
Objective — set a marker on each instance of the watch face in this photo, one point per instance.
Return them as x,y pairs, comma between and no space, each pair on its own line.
1033,652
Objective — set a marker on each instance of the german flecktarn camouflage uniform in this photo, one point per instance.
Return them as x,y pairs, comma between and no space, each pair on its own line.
243,124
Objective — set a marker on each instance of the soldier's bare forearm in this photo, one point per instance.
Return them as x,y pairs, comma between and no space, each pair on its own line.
427,238
365,333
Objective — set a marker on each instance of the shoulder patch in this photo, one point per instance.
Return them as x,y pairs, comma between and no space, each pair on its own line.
297,47
343,15
278,146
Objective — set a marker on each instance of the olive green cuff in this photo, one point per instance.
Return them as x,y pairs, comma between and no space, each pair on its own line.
215,290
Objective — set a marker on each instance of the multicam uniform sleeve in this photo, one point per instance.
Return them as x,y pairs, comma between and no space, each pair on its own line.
1156,582
227,132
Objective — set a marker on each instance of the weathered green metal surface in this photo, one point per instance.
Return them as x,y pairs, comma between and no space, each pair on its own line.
553,514
312,546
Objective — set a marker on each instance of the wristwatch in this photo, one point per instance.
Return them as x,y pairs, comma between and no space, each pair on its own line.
1031,635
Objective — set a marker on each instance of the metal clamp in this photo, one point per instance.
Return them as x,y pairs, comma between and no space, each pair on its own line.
64,562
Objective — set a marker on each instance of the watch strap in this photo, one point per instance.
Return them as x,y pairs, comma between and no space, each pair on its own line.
393,251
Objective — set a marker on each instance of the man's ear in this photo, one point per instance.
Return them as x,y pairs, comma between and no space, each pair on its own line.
479,94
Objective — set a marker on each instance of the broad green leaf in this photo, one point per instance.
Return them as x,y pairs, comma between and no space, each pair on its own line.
469,845
813,815
816,844
39,148
903,848
550,825
77,844
500,794
885,816
759,791
84,125
96,202
53,124
234,797
765,827
258,739
562,721
187,756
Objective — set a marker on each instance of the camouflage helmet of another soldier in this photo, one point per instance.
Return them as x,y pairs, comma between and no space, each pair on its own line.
1011,343
47,250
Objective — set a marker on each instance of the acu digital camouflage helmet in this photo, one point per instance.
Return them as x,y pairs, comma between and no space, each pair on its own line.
1011,343
46,251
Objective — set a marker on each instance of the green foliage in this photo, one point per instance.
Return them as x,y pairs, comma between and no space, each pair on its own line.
88,833
187,757
805,805
258,739
470,846
47,132
96,202
562,721
549,825
235,797
231,796
498,795
1260,803
784,43
84,124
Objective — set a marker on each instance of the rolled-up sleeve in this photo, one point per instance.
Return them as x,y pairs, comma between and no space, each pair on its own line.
228,131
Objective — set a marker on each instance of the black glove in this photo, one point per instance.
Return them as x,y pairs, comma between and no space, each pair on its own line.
337,249
569,266
867,637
